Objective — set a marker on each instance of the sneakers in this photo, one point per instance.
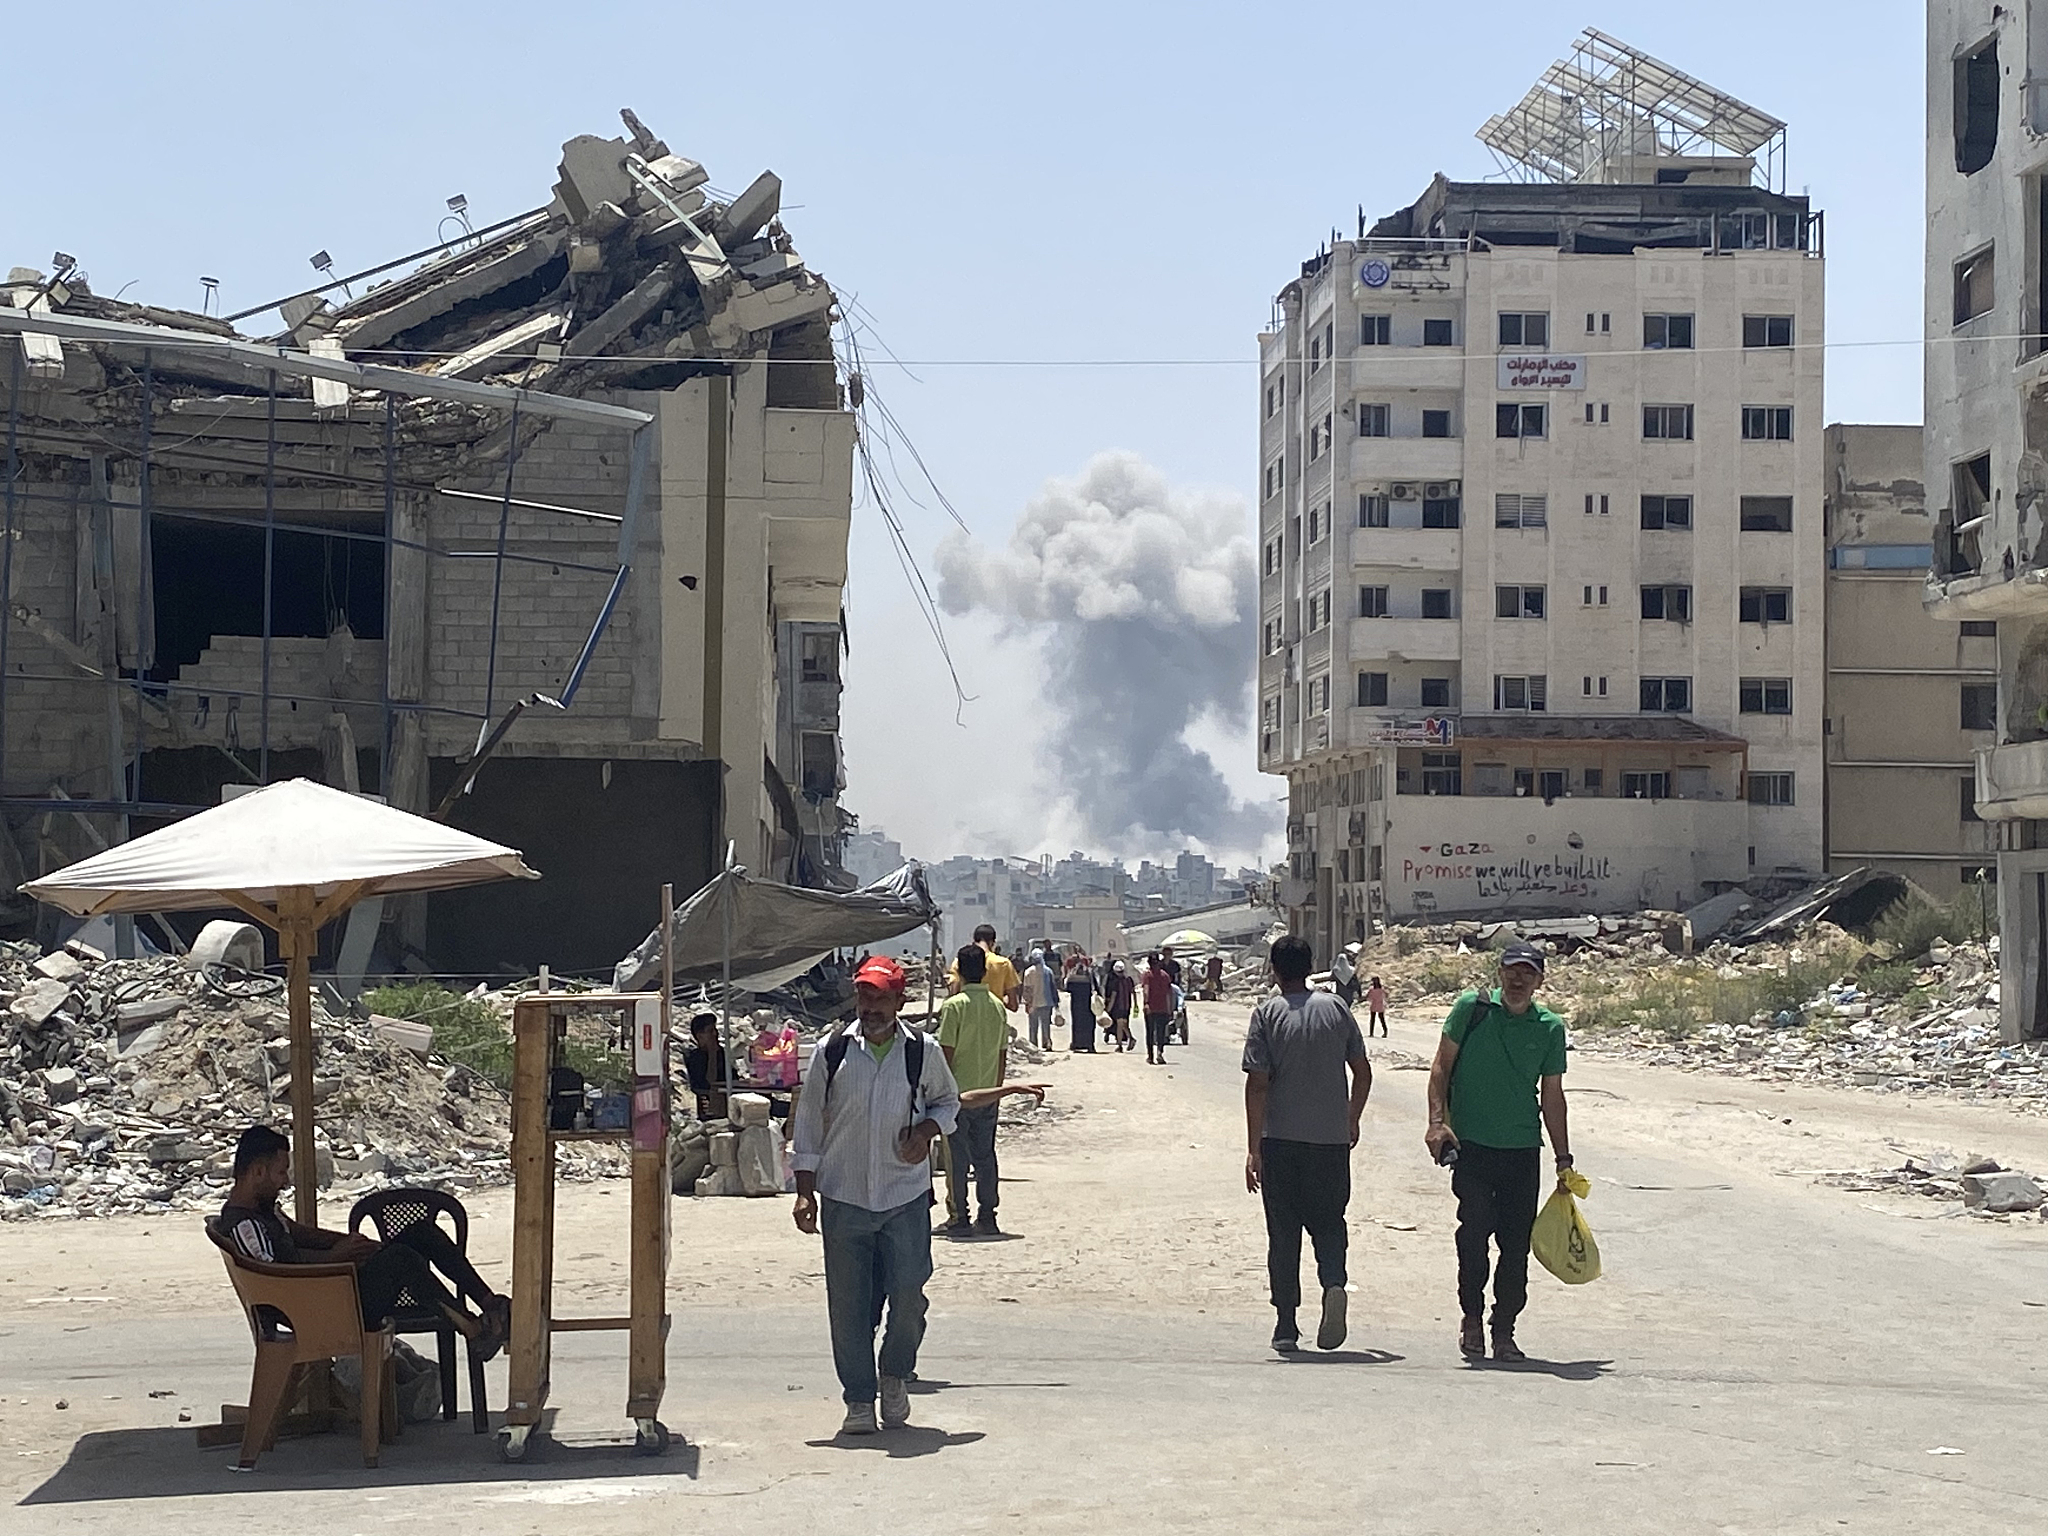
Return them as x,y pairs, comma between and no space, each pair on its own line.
895,1402
953,1227
1505,1349
1330,1333
860,1419
985,1225
1286,1334
1472,1338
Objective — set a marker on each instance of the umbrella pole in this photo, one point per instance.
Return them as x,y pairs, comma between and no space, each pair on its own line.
296,937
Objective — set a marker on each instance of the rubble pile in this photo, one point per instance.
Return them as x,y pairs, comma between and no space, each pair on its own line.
124,1083
1977,1186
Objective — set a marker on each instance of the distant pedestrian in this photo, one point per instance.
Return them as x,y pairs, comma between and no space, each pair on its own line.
1000,977
1039,993
1496,1086
975,1035
1117,998
1301,1123
1081,1007
876,1096
1157,982
1344,977
1212,988
1376,1004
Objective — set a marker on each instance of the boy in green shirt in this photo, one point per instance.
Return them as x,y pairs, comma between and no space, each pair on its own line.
975,1035
1496,1086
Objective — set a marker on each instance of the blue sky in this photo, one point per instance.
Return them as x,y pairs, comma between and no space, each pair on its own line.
1073,216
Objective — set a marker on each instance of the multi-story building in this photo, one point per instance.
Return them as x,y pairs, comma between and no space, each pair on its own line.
1540,493
1986,450
1909,698
546,535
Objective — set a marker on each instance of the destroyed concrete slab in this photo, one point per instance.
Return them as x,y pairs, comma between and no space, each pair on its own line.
2001,1192
39,999
751,210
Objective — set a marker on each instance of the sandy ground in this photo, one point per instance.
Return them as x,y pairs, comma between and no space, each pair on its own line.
1764,1353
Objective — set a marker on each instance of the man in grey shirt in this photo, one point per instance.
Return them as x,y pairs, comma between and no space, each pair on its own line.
1300,1126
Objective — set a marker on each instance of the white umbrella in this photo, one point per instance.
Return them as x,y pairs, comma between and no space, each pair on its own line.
294,856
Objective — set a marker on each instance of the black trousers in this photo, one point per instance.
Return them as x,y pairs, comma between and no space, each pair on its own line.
1496,1189
1155,1032
1305,1185
400,1275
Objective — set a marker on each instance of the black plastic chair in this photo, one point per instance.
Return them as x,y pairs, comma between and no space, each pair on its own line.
392,1211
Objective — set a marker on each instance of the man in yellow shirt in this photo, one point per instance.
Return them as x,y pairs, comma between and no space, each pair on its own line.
975,1036
1000,976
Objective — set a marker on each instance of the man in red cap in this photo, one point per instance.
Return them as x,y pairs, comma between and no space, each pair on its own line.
876,1096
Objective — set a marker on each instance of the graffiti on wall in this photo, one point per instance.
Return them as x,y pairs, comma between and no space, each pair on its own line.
1457,875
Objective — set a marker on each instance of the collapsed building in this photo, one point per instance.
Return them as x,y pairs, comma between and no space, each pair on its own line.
545,534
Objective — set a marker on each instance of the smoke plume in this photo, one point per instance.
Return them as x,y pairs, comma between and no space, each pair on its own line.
1147,600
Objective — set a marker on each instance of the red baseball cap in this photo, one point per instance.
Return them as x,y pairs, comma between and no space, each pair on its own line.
882,972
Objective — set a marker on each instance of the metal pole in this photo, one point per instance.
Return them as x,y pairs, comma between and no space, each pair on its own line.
725,964
7,557
269,548
498,570
390,528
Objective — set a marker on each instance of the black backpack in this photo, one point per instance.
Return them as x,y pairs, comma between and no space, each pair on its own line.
913,1064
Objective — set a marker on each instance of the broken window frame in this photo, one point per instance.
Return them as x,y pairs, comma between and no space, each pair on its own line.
1974,85
1670,602
1976,284
1977,706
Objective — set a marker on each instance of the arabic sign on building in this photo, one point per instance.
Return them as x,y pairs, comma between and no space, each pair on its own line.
1436,731
1541,370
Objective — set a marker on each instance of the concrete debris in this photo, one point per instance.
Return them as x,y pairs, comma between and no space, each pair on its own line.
1978,1187
123,1087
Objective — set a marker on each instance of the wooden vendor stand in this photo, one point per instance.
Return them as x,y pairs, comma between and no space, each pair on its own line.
534,1323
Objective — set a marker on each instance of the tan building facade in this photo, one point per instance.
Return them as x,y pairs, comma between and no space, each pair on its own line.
1910,698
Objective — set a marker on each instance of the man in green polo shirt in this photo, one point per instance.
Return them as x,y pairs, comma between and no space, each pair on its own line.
1496,1086
974,1032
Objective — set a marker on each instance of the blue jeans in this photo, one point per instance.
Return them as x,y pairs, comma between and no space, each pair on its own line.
872,1257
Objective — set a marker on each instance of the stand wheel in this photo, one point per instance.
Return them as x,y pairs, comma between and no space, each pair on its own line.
512,1445
650,1437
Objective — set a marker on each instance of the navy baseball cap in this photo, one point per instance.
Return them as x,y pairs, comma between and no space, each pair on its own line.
1522,954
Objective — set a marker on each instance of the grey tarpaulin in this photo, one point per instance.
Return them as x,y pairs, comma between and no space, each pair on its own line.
777,930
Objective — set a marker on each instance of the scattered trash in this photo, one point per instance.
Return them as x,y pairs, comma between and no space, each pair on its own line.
1946,1450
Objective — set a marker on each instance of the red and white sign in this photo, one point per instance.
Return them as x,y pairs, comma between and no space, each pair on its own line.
1541,370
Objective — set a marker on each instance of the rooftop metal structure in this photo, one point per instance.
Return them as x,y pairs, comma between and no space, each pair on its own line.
1608,105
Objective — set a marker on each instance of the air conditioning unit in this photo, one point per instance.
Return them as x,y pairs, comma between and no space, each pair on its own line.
1402,490
1440,490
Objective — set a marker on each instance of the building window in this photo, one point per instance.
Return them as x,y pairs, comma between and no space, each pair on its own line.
1437,333
1976,108
1974,285
1646,786
1667,423
1767,423
1667,332
1273,480
1372,511
820,659
1436,602
1436,693
1596,503
1518,602
1372,602
1319,610
1373,420
1319,439
1603,411
1436,423
1372,690
1765,696
1969,802
1440,512
1767,330
1319,694
1594,780
1316,528
1525,693
1441,774
1276,636
1513,511
1770,789
1673,603
1980,628
1767,514
1525,329
1375,330
1765,605
1511,420
1276,395
1980,706
1596,597
1665,695
1588,689
819,768
1668,512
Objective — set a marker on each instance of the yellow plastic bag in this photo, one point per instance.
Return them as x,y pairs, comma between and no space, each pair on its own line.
1561,1240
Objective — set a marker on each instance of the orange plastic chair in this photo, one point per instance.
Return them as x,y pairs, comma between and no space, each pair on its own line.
300,1314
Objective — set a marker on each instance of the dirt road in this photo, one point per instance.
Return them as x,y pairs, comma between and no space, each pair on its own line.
1764,1354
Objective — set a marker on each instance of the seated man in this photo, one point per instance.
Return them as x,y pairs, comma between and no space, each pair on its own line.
252,1222
705,1063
